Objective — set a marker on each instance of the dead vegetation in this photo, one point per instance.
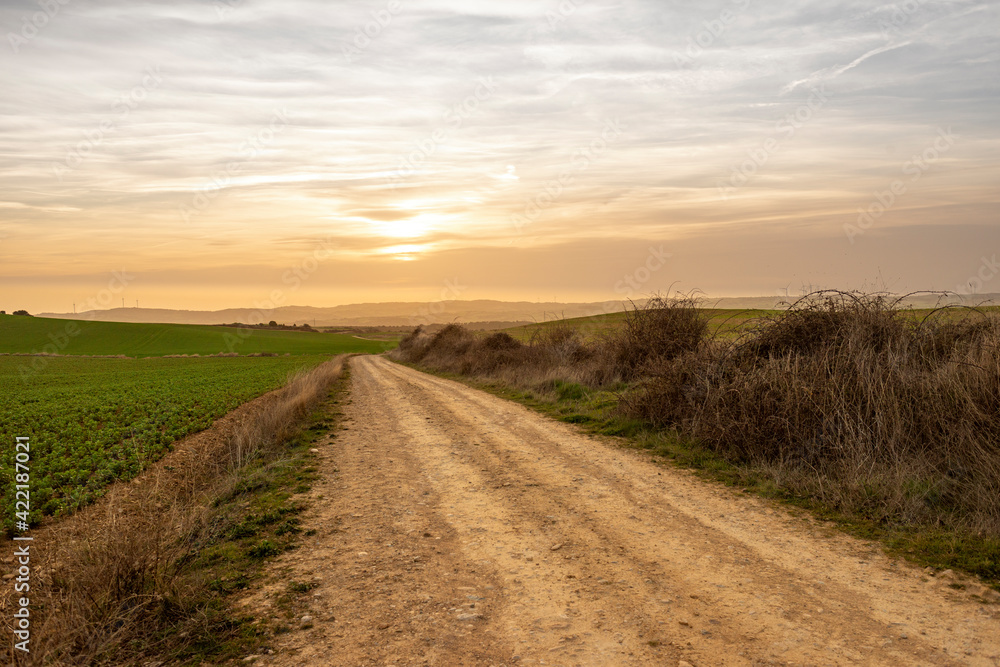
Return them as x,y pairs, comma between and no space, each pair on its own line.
116,583
851,401
845,399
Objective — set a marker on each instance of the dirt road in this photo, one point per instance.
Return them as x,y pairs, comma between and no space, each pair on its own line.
455,528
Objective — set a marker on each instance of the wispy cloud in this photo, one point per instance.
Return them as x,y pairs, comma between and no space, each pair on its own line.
831,73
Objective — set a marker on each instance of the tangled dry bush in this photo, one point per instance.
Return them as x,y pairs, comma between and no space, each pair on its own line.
852,400
551,353
660,329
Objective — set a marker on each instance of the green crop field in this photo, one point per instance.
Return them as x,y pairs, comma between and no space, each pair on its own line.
19,334
94,421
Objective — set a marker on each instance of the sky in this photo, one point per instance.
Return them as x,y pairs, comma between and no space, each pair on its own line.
241,153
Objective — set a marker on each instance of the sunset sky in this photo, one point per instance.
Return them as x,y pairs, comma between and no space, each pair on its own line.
216,154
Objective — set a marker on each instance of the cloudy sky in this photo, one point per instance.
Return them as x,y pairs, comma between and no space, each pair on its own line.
226,152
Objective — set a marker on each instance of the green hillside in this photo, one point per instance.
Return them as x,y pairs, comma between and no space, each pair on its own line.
723,321
19,334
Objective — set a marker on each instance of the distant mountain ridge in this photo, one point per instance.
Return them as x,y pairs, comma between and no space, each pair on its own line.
361,314
401,313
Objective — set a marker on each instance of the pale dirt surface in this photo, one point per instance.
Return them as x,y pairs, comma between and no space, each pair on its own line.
456,528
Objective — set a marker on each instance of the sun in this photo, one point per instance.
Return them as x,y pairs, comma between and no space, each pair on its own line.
407,228
404,253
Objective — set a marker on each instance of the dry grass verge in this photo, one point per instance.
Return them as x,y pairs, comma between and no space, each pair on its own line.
124,578
848,401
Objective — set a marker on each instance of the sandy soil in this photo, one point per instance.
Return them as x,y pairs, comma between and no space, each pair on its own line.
455,528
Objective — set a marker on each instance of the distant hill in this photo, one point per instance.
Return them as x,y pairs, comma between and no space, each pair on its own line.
439,312
362,314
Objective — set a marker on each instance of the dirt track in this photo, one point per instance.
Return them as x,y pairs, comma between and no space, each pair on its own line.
455,528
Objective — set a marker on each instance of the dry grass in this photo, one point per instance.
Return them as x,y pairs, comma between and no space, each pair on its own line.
662,330
847,399
107,582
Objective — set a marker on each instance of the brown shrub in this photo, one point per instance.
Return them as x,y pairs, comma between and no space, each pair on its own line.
552,351
560,345
501,340
414,345
827,318
657,332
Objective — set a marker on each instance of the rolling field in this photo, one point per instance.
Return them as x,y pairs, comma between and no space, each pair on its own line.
724,321
26,335
95,421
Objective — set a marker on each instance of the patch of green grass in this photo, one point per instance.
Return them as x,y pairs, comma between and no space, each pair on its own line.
300,587
227,585
569,391
244,529
264,550
290,525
